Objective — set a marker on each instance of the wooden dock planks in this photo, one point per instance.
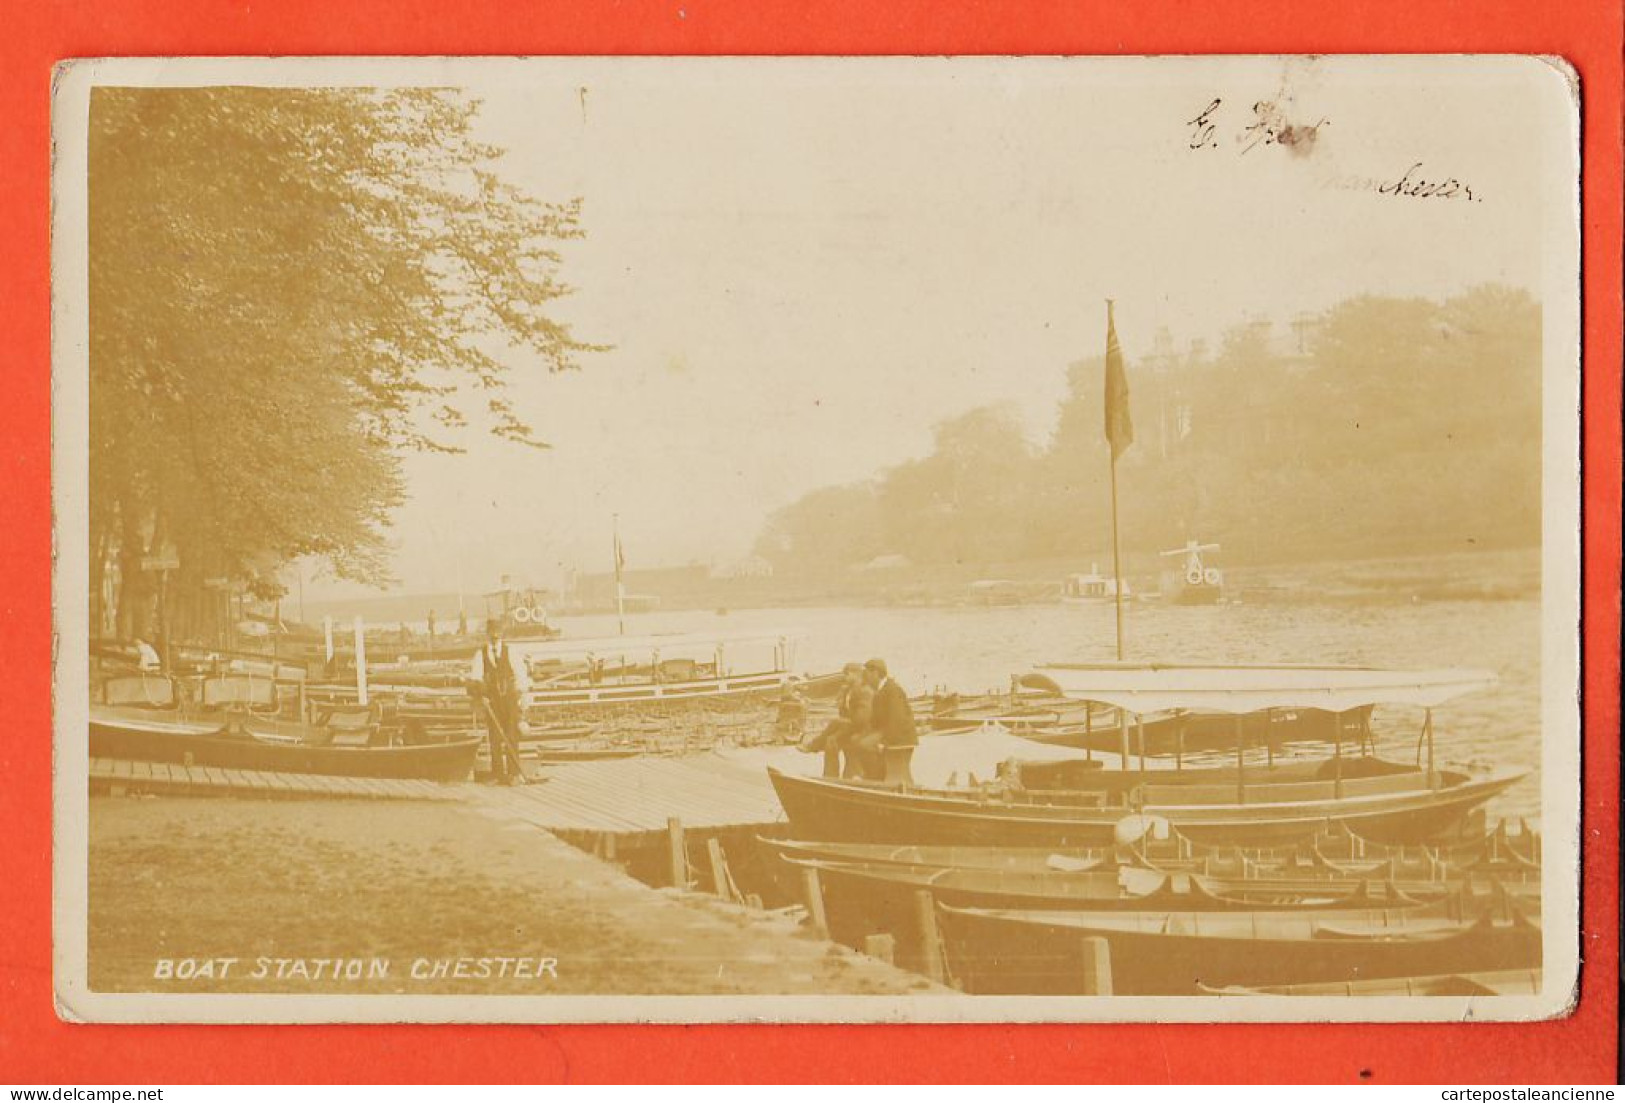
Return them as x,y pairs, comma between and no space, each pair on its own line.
162,777
638,795
626,796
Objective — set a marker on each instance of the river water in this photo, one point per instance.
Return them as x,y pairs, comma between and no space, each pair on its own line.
974,649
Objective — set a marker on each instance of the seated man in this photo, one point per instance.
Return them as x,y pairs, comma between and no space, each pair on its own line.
852,720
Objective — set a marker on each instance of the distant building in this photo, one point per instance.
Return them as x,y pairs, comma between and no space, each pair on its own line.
752,566
1164,370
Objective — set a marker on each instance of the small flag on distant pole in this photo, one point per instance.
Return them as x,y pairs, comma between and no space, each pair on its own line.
1119,429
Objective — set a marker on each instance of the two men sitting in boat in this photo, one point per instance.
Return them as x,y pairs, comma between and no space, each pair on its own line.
498,684
874,729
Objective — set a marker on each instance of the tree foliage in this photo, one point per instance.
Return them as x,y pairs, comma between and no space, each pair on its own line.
288,289
1388,427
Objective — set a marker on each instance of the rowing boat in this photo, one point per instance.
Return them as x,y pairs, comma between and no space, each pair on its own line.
1501,982
243,743
1126,888
1015,952
1409,806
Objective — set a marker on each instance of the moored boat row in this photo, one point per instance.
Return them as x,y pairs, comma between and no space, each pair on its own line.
1116,874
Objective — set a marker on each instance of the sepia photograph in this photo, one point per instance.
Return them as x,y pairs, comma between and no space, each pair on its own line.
816,539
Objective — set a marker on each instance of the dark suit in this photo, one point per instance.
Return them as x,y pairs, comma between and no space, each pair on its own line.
893,717
842,734
500,690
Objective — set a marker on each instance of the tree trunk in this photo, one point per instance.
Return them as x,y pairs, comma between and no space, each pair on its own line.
135,586
99,537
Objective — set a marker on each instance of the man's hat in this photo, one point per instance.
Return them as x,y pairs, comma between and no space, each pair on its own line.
852,668
876,665
493,624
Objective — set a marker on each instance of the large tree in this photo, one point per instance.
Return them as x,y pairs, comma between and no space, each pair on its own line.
1389,427
288,289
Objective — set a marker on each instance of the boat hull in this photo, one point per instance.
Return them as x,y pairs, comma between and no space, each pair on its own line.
1015,953
835,811
205,745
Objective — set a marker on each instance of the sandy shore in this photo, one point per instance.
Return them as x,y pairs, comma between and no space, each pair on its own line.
297,891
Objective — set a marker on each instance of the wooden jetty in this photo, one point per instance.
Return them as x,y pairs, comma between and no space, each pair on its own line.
669,821
116,775
673,821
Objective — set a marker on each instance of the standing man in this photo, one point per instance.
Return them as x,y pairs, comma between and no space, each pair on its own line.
893,722
500,685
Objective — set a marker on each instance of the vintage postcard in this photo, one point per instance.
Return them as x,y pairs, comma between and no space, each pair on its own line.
817,539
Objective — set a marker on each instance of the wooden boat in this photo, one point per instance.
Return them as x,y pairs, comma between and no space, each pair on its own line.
583,680
633,671
1503,982
1242,804
522,611
1125,888
1414,870
1015,859
242,743
1408,805
425,709
1012,952
111,724
586,752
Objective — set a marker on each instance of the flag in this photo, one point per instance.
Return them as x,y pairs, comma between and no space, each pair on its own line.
1119,429
620,556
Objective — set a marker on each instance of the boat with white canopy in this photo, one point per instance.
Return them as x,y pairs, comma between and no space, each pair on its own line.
1198,692
1240,803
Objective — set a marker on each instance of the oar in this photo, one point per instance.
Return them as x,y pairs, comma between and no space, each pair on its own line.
508,738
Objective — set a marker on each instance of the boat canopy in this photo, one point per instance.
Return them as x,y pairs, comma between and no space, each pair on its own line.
1152,688
668,645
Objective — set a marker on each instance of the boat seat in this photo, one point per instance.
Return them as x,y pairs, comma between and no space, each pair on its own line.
349,727
240,691
155,691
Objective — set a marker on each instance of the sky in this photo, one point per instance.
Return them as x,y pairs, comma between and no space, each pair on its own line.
803,266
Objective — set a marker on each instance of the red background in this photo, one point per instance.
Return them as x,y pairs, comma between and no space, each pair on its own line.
36,1048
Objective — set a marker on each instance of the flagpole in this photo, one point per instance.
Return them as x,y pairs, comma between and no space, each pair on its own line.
620,588
1117,549
1114,396
1117,565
